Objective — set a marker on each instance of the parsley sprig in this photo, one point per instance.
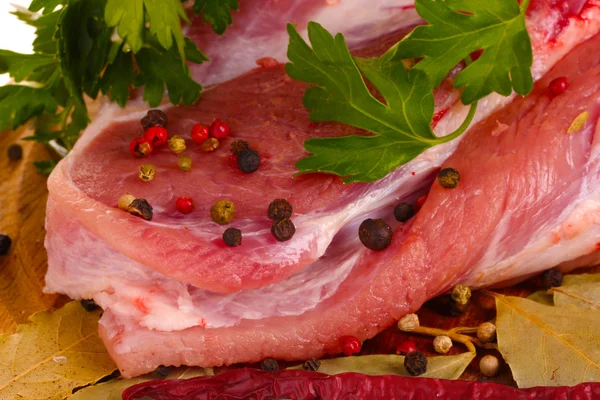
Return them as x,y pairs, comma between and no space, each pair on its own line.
401,124
88,47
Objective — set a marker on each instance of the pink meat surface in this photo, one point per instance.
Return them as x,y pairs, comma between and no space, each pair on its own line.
171,281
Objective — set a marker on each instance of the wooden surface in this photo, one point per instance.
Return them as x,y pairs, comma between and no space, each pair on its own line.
23,197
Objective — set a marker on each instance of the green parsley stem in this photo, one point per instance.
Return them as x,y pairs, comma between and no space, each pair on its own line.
463,127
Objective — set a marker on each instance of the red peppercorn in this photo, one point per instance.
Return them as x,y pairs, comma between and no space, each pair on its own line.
157,135
140,148
219,129
200,133
558,86
185,205
420,202
408,346
350,345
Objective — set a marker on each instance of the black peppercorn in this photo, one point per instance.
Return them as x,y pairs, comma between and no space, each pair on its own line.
155,118
162,372
237,146
283,230
89,305
141,208
551,278
232,237
248,161
15,152
446,306
404,211
448,178
269,364
279,209
415,363
375,234
5,243
312,365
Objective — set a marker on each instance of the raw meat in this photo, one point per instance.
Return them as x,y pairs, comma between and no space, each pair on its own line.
158,282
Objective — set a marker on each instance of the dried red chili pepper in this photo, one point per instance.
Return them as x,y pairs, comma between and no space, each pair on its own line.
307,385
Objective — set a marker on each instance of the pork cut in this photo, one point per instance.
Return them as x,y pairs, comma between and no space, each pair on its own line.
174,294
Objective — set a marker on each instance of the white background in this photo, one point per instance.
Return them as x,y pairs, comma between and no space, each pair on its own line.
14,34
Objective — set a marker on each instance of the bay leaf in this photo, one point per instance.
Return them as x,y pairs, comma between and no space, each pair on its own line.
542,296
112,389
581,290
548,345
442,367
53,354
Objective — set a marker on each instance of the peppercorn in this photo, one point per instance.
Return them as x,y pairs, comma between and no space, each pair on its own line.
238,146
210,145
248,161
125,201
185,204
461,294
409,322
283,230
222,212
442,344
551,278
140,148
486,332
558,86
146,173
184,163
154,118
312,365
15,152
5,243
219,129
162,372
232,237
269,364
141,208
489,365
279,209
89,305
177,144
404,211
406,347
350,345
448,178
375,234
200,133
415,363
157,135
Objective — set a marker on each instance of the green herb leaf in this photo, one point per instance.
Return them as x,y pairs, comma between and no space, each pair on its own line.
45,167
401,125
32,67
45,28
216,12
47,6
458,28
18,104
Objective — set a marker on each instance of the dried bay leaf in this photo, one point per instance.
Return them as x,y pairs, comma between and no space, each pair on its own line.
53,354
580,290
542,296
442,367
112,390
547,345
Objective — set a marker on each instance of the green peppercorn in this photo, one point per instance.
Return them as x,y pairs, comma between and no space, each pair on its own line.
146,173
141,208
375,234
177,144
279,209
162,372
154,118
312,365
248,161
89,305
461,294
404,211
5,243
237,146
269,364
448,178
184,163
283,230
15,152
232,237
551,278
415,363
222,212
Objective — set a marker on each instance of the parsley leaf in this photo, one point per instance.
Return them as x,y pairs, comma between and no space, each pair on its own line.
459,27
19,103
45,167
400,126
31,67
216,12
